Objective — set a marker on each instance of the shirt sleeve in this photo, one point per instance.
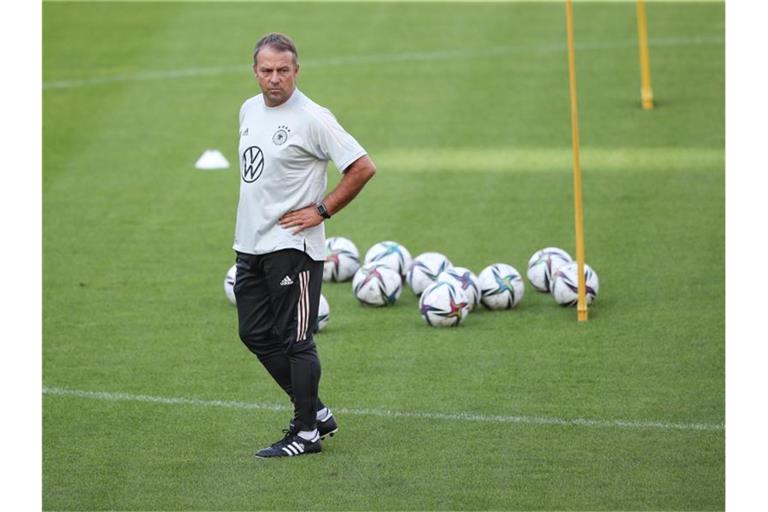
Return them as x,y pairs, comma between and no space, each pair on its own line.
241,116
329,141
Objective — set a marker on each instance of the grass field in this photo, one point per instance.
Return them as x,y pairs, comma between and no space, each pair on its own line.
150,399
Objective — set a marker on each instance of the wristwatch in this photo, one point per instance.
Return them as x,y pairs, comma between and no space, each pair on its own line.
323,211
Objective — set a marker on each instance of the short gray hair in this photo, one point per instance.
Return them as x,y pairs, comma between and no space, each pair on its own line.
279,42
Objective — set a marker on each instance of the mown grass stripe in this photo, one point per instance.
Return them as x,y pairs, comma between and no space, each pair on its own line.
348,60
387,413
523,159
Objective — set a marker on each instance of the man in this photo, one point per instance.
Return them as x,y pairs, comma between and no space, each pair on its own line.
286,141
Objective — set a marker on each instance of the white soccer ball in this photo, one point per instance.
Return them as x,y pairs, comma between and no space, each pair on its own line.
443,304
565,284
464,279
543,264
376,285
425,269
229,284
501,286
390,254
323,313
342,259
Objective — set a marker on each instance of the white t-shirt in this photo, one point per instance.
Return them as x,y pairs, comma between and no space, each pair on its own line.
284,152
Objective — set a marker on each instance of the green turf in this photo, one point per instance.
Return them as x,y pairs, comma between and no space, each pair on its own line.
464,108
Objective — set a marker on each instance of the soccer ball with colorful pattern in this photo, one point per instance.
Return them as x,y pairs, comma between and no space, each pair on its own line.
390,254
376,285
425,269
323,313
342,259
229,284
464,279
565,284
501,286
443,304
543,265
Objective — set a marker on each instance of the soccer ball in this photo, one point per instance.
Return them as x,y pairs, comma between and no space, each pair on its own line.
443,304
501,286
464,279
543,264
376,285
323,313
229,284
425,269
342,259
565,284
390,254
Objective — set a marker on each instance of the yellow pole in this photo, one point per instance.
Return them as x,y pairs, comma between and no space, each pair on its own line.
646,93
581,306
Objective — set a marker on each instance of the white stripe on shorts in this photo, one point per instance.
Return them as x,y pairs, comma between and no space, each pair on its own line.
302,320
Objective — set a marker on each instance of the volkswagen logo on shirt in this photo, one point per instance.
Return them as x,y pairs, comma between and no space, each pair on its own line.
253,164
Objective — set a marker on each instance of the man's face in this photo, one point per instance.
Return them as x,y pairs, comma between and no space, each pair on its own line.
276,74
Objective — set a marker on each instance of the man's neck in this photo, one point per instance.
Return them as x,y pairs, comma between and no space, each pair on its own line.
286,100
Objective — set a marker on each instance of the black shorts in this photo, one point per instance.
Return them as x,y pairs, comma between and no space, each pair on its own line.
278,295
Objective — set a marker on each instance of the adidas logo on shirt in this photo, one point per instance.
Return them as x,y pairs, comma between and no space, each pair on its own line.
287,281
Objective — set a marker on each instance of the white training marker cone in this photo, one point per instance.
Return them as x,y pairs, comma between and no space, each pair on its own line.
212,159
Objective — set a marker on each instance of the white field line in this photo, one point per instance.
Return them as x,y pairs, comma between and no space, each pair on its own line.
373,59
385,413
